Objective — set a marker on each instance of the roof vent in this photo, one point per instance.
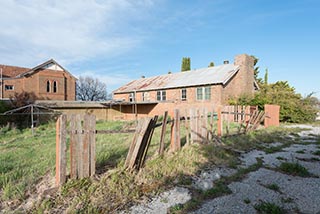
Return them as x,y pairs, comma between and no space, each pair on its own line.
226,62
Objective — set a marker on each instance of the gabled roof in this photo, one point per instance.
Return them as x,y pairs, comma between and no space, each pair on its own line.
18,72
12,71
43,66
204,76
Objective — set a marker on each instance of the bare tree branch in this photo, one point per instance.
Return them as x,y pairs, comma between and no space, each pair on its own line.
90,89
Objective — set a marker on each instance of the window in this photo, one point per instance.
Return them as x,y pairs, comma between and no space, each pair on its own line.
183,94
199,94
48,86
207,93
161,95
145,96
8,87
204,93
132,97
55,86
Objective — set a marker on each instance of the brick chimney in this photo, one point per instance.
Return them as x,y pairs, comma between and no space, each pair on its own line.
245,75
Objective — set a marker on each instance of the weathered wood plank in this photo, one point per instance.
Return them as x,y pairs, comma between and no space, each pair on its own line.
140,137
219,122
187,126
73,148
163,133
92,146
192,125
175,144
79,146
134,142
85,148
149,135
61,150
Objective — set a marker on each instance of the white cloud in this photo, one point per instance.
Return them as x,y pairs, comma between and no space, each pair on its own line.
69,31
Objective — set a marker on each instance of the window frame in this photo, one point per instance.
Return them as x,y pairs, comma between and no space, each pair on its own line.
48,86
8,87
183,94
55,87
132,97
161,95
203,93
145,96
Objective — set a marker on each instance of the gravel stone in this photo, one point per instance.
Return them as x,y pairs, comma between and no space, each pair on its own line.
160,204
302,193
206,178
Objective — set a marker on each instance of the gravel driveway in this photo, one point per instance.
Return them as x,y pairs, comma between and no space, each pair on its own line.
293,193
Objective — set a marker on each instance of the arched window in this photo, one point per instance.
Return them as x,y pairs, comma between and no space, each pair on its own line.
55,86
48,86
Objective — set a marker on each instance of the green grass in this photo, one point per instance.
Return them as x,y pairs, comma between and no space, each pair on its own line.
274,187
247,201
24,160
269,208
255,140
317,152
294,169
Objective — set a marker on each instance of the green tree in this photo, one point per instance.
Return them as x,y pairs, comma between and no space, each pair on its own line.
266,77
256,70
211,64
293,107
186,64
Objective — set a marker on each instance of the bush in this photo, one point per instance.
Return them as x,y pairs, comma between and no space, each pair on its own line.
293,107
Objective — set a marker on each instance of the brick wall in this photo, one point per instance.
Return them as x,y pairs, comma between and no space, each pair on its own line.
173,101
37,83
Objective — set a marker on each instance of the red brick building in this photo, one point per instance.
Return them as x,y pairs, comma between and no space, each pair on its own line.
206,87
49,81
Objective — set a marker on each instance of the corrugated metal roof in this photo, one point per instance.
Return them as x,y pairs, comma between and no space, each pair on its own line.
204,76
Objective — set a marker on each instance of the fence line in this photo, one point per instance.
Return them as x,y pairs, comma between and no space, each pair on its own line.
199,124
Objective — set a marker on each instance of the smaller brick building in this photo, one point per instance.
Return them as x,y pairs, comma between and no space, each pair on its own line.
48,81
206,87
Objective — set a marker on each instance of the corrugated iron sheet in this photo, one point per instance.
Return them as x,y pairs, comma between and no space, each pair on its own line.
211,75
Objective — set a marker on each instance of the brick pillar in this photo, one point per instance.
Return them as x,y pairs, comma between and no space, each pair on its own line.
272,113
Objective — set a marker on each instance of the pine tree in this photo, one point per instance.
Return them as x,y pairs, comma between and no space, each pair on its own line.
211,64
186,64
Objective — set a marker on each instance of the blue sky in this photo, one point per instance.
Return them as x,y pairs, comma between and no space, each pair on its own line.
121,40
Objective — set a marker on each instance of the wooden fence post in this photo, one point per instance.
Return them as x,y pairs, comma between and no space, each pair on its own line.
61,150
219,122
163,133
192,126
204,123
187,125
175,144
